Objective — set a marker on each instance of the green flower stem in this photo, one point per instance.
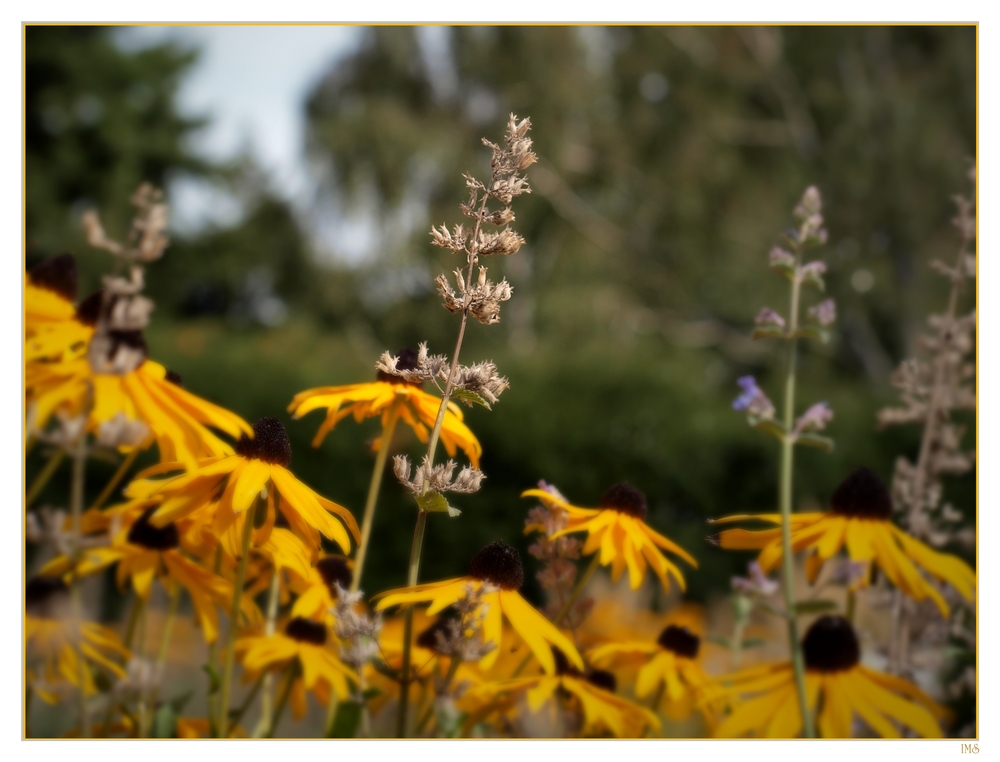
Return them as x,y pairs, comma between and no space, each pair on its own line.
785,501
578,590
418,531
76,510
411,579
138,606
331,715
234,617
370,503
213,658
161,659
452,669
272,616
109,488
43,477
851,607
247,702
286,691
143,722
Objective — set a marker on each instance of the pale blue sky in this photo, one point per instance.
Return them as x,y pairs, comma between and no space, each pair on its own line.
251,82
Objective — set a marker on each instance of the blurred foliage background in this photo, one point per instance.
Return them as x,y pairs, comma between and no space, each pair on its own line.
670,159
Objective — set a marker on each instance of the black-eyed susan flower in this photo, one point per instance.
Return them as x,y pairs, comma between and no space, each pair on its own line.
144,553
51,327
617,529
837,683
58,648
391,397
127,388
497,571
590,695
260,465
860,518
307,644
317,591
670,665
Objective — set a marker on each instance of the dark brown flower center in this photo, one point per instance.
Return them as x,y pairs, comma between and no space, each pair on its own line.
334,570
306,631
862,495
57,274
625,499
563,667
129,340
680,640
830,645
406,360
499,564
603,679
145,534
88,311
429,638
44,597
269,444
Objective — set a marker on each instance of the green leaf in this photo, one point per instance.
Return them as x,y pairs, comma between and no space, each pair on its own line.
165,722
813,332
434,502
213,678
384,669
808,439
752,643
768,426
815,607
813,278
719,641
470,397
786,269
346,720
769,332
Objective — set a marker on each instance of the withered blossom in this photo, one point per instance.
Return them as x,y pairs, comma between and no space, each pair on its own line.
481,379
481,300
426,368
436,478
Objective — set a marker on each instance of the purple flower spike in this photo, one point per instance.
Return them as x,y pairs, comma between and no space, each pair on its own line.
824,313
814,419
767,316
753,400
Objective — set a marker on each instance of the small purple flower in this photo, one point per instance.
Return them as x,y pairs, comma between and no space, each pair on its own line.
755,583
818,267
824,313
753,400
814,419
551,489
779,256
767,316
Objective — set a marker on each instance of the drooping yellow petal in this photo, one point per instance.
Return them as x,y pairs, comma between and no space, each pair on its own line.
653,673
542,692
537,631
949,568
247,484
909,713
492,628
